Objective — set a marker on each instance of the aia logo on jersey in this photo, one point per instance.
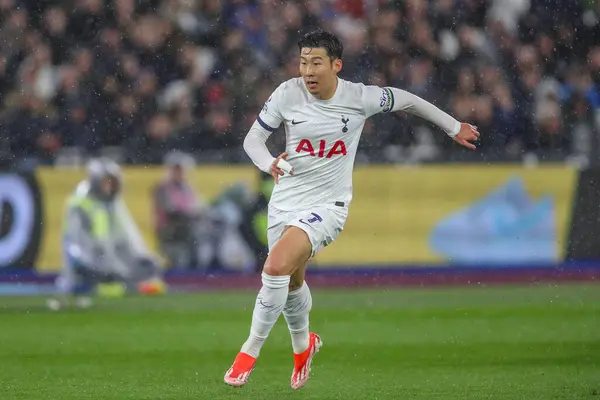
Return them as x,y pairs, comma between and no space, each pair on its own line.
305,146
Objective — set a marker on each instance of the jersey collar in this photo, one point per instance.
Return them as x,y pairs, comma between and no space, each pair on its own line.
331,100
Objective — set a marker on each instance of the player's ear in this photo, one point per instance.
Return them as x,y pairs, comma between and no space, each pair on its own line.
337,65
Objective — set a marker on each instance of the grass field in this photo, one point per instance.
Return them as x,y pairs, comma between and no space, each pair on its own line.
523,343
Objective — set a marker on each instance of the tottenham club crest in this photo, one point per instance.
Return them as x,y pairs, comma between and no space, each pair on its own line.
345,122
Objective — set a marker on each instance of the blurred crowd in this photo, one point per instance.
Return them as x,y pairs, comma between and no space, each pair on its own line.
146,77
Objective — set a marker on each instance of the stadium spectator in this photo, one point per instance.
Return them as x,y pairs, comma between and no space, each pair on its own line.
154,76
178,213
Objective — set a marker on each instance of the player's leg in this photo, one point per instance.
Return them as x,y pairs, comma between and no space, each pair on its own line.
297,309
297,278
288,254
305,344
322,226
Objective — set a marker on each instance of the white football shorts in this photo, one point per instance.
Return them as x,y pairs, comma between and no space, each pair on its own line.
322,224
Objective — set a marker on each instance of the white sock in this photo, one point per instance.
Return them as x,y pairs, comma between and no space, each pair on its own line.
269,305
297,308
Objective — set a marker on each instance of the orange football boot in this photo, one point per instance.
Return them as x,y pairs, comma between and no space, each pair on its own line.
240,371
303,360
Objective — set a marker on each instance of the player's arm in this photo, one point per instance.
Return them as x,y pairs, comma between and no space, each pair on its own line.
255,142
255,145
391,99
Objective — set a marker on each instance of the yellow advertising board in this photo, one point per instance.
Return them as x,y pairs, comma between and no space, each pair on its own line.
429,215
57,185
432,215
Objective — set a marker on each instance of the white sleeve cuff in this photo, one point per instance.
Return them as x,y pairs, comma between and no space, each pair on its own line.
455,130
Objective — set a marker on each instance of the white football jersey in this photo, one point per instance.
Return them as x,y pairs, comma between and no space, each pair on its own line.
321,139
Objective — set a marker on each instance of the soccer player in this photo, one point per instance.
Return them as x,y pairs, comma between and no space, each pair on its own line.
323,116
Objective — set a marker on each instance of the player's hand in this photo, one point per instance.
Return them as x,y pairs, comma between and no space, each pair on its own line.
276,172
467,134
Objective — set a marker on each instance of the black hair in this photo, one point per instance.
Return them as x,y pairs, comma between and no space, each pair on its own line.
326,40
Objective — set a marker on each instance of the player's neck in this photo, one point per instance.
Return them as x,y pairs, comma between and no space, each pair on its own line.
330,93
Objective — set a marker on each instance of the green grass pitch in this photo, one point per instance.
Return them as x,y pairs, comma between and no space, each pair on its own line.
526,343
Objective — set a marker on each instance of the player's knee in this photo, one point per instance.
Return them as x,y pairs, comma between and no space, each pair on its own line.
289,254
279,263
277,267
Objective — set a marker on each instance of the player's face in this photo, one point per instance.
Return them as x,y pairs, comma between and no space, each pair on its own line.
319,72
